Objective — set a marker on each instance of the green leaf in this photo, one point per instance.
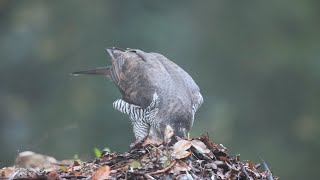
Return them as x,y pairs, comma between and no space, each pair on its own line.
97,152
135,164
106,149
76,157
166,163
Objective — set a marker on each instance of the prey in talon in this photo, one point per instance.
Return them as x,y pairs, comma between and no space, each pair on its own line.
156,93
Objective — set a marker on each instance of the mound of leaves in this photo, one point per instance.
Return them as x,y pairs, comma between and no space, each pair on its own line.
196,158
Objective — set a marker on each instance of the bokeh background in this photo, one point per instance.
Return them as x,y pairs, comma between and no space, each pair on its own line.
257,63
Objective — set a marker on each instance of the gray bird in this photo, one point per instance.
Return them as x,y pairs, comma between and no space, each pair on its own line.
156,93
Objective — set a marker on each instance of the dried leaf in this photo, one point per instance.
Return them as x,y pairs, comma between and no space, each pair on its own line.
200,146
182,166
63,168
168,133
211,166
76,163
53,175
221,175
181,145
102,173
251,165
182,154
184,176
223,149
238,158
29,159
218,162
76,168
7,172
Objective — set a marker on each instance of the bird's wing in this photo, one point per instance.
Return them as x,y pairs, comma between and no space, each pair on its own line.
129,73
184,78
135,72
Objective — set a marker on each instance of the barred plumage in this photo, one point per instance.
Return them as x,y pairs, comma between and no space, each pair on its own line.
140,118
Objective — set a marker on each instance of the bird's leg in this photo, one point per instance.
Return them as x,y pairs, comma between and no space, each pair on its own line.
138,143
141,132
136,114
141,142
154,137
145,135
140,120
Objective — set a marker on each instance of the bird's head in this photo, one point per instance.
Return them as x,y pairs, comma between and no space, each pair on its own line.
180,126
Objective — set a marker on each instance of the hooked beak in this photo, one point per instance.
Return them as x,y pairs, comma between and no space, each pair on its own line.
96,71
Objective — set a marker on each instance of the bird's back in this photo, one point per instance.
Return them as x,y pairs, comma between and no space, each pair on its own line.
139,75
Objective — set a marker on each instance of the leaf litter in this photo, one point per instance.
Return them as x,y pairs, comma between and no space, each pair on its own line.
197,158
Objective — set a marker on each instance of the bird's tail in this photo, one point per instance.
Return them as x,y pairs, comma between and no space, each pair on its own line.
96,71
114,53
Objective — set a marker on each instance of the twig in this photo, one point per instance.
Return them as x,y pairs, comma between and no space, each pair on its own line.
88,178
149,176
244,171
266,168
72,177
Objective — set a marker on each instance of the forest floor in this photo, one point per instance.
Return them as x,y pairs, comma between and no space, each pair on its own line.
197,158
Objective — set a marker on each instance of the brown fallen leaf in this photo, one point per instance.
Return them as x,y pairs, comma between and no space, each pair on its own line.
181,154
151,141
102,173
7,172
181,145
180,166
29,159
168,133
184,176
173,163
200,146
180,149
251,165
53,175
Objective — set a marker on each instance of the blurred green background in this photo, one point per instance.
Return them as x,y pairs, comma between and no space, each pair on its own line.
257,64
